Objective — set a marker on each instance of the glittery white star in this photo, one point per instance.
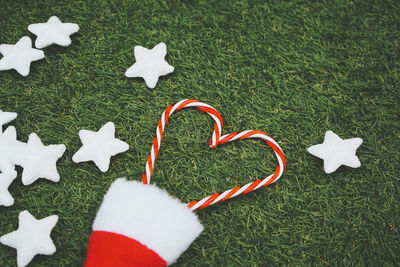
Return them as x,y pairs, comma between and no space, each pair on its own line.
38,161
19,56
150,64
336,152
32,237
99,146
53,32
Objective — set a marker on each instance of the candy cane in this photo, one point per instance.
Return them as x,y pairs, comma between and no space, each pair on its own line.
217,139
163,121
239,190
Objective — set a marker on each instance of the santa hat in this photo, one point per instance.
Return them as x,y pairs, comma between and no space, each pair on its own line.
140,225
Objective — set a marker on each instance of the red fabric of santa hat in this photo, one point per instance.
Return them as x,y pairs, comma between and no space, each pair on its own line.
140,225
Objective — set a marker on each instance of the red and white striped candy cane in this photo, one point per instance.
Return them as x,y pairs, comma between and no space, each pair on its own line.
234,192
217,139
186,103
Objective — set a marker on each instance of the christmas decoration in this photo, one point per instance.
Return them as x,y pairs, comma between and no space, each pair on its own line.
32,237
6,117
141,225
19,56
216,139
337,152
99,146
150,64
53,32
38,161
218,123
9,146
6,178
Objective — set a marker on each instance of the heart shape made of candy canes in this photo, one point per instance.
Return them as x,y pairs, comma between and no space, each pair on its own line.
215,140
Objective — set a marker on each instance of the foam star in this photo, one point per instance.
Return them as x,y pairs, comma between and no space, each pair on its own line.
6,178
336,152
9,146
38,161
53,32
150,64
19,56
99,146
6,117
31,238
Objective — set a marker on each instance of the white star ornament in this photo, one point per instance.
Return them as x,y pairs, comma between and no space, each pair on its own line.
31,238
99,146
337,152
9,146
38,160
6,178
150,64
6,117
53,32
19,56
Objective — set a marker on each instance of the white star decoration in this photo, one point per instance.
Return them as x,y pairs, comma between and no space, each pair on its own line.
336,152
6,117
6,178
9,146
32,237
99,146
53,32
19,56
38,161
150,64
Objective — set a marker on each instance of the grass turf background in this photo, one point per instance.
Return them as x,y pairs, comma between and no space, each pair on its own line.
293,69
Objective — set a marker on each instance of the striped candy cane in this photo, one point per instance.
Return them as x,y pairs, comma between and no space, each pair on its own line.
239,190
217,139
186,103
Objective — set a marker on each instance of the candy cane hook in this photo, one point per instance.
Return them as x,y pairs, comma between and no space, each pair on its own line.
239,190
163,122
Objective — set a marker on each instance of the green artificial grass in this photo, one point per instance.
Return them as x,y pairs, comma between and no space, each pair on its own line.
294,69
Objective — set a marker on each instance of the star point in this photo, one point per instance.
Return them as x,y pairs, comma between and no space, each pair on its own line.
53,32
6,117
9,146
150,64
6,178
38,160
31,238
19,56
337,152
99,146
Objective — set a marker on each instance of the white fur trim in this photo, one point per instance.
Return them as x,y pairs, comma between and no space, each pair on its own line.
149,215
